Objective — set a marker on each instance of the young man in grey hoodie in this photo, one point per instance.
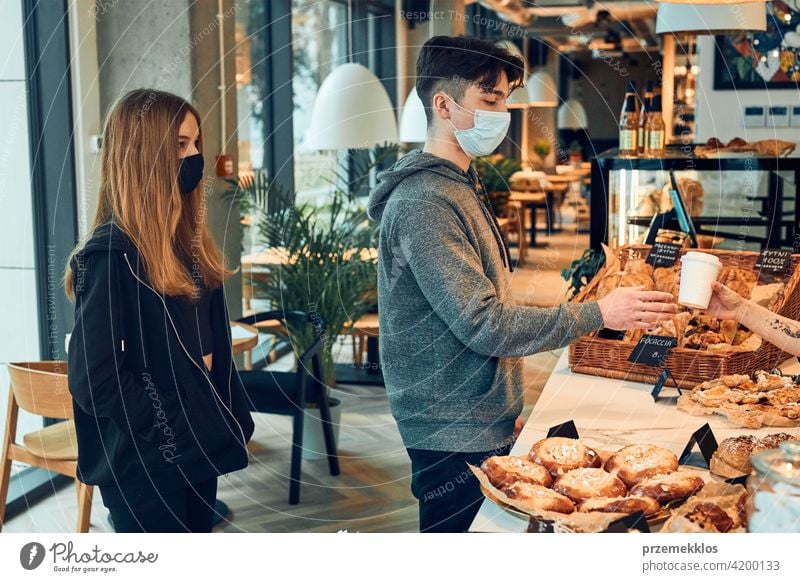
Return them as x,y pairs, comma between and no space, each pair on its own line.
452,338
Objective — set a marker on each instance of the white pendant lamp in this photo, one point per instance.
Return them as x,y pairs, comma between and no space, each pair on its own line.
512,49
352,110
413,123
711,16
519,97
572,115
542,90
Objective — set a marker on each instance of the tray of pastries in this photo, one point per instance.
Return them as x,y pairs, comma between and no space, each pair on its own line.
716,508
732,457
581,489
738,147
751,401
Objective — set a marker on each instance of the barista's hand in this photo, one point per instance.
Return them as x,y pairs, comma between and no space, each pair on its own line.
725,303
634,308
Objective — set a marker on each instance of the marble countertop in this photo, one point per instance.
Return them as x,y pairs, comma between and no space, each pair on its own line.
609,414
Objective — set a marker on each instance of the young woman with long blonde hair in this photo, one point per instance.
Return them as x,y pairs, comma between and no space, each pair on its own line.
160,411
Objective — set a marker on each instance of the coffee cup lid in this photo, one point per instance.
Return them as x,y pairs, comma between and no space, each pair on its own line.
705,257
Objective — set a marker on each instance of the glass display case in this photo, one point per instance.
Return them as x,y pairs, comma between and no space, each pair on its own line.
737,202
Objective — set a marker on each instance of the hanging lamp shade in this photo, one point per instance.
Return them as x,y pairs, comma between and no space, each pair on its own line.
512,49
519,97
572,115
711,16
352,110
413,123
542,90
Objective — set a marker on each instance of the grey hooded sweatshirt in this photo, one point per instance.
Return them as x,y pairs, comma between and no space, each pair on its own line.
452,338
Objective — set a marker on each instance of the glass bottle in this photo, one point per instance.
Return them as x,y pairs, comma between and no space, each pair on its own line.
655,131
629,124
647,102
773,487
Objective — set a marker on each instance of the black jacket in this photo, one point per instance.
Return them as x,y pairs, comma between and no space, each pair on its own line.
147,414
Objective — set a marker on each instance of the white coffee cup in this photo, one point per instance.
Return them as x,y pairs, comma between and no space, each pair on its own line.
698,271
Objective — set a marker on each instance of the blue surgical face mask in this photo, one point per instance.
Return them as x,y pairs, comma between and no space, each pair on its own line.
488,131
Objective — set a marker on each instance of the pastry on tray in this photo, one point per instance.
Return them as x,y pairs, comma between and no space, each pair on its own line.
732,457
772,148
669,487
628,505
636,462
716,508
539,498
560,455
750,401
503,471
582,484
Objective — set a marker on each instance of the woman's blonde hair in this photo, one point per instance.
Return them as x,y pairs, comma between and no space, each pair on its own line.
139,192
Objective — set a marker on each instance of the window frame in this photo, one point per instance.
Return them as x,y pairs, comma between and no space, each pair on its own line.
54,200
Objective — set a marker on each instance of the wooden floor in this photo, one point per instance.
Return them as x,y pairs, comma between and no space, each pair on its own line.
372,493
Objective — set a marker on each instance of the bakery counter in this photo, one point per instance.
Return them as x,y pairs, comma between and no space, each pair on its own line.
608,415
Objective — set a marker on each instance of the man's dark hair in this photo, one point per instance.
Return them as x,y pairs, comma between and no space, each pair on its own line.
451,63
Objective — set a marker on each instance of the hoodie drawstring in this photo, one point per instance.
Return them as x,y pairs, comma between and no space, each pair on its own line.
496,230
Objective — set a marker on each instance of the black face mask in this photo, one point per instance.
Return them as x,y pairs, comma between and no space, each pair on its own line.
190,172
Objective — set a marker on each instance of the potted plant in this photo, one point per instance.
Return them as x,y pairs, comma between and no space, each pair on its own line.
495,172
329,266
583,270
542,149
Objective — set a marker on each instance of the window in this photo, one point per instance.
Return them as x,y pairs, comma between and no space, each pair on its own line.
285,50
319,44
19,319
38,227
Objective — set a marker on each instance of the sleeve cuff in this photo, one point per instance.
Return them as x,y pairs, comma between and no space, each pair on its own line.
589,317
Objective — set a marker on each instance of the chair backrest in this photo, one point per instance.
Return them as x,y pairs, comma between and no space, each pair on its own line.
41,388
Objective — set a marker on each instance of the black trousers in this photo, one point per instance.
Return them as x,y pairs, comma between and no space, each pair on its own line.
449,495
188,509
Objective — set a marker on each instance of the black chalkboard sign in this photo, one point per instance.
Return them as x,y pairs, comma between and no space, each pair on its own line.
661,383
704,438
611,334
652,350
565,429
663,254
772,263
634,521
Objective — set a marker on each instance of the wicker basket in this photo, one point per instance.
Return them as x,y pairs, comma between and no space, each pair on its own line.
609,358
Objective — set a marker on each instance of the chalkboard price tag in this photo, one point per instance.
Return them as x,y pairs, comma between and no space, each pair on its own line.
634,521
704,438
611,334
652,350
536,525
773,263
740,480
663,254
661,383
565,429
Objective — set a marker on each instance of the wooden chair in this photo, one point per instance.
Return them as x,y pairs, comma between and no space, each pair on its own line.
41,388
514,222
365,328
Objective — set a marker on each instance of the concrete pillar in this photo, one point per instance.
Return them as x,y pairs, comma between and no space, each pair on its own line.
174,46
